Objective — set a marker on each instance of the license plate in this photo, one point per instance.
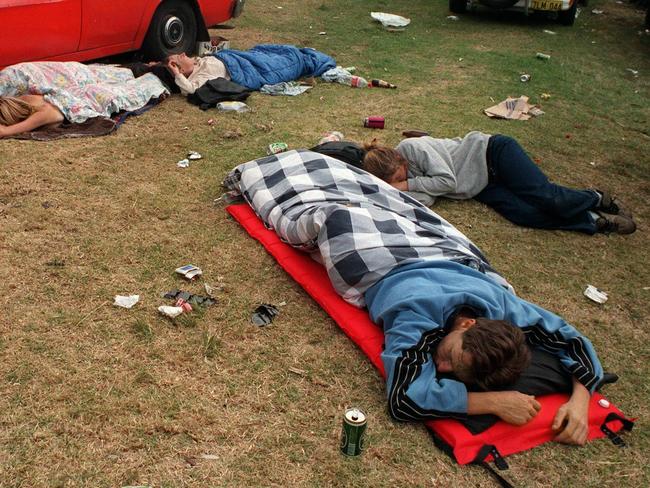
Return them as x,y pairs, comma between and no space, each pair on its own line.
546,4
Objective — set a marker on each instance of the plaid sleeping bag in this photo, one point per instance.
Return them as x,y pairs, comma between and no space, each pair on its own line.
359,227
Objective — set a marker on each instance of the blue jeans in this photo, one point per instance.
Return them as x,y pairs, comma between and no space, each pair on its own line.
520,192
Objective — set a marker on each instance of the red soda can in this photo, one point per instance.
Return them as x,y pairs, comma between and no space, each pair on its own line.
374,122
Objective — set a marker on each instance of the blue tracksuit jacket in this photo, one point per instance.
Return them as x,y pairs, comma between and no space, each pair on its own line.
414,304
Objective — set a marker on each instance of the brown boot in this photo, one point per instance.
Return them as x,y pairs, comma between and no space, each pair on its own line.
618,224
611,205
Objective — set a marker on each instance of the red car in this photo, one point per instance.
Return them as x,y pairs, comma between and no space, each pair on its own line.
79,30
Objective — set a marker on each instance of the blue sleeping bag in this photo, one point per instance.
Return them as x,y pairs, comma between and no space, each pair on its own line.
268,64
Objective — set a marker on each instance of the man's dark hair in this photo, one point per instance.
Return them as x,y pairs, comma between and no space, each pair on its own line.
499,353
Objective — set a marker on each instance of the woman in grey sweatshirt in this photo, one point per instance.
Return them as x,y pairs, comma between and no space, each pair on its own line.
496,171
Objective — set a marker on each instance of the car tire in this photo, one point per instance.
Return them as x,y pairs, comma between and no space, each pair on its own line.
173,30
568,17
458,6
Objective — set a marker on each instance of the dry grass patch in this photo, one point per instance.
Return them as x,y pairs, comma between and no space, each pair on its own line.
93,395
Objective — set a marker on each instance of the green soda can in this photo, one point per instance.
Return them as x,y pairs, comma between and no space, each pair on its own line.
354,431
276,148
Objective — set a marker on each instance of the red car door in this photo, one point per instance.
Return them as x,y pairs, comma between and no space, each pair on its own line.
37,29
110,22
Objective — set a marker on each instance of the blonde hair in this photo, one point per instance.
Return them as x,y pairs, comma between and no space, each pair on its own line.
14,110
382,161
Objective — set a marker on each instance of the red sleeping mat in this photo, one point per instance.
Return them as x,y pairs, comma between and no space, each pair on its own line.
453,437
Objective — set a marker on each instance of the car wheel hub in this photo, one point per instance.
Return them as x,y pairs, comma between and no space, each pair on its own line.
173,31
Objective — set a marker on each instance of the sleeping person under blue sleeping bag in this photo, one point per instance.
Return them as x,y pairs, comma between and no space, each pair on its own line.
448,326
268,64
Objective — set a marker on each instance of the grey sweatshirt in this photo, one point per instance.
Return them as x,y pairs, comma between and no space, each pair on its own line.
453,168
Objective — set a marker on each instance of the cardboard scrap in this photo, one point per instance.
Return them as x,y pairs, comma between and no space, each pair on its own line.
514,109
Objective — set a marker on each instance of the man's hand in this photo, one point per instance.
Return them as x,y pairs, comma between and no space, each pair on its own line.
173,67
517,408
401,185
511,406
571,423
3,131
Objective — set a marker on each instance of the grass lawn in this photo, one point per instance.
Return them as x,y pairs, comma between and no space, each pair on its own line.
97,396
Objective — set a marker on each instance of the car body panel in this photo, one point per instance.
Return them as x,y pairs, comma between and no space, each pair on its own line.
109,22
216,12
38,29
81,30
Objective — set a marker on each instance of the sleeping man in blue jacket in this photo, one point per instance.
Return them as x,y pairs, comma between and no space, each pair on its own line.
450,349
445,317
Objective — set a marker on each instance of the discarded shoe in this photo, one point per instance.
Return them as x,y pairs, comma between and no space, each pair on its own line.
618,224
611,205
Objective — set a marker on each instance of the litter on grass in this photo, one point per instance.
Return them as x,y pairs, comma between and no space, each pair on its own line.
190,298
171,312
414,133
287,88
277,148
513,109
126,301
229,198
331,136
189,271
209,457
264,314
233,107
193,156
210,290
595,294
382,84
390,21
183,163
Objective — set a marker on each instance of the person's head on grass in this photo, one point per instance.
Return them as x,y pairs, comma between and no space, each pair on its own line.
490,354
182,62
14,110
384,162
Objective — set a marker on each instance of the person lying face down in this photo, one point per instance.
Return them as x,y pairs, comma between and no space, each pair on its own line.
496,171
190,74
26,113
455,342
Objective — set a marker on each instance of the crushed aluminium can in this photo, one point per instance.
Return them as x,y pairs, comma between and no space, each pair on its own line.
374,122
525,78
277,147
354,431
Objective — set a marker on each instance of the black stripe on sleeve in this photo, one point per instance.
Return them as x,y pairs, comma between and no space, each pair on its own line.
407,368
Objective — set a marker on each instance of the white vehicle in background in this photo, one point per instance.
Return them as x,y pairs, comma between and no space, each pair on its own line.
564,9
